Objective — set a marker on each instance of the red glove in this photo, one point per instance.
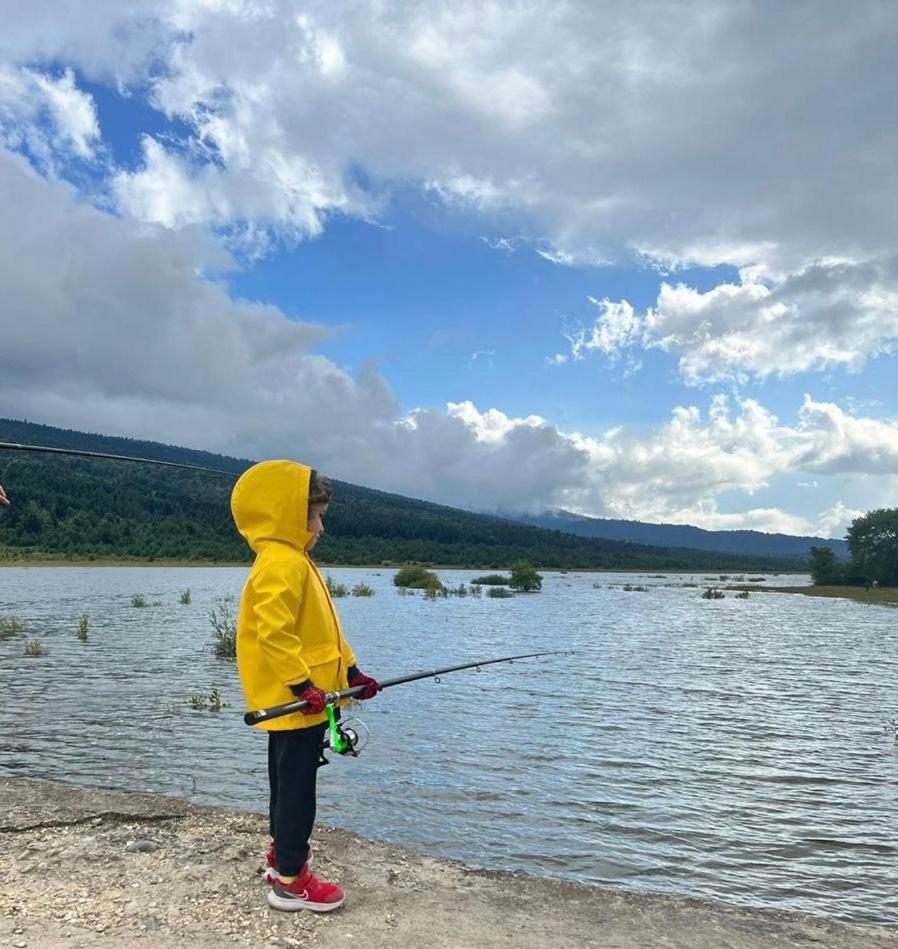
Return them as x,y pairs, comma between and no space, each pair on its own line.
316,698
372,686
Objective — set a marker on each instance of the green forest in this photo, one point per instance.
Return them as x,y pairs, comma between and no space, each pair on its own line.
89,509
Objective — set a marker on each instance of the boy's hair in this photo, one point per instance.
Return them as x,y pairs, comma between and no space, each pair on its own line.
320,489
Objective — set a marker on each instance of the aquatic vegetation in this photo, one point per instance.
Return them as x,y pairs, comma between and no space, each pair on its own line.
743,595
362,589
416,577
211,702
9,626
224,626
335,588
82,628
405,591
756,579
492,580
139,601
711,593
185,597
34,647
475,589
630,588
524,577
499,593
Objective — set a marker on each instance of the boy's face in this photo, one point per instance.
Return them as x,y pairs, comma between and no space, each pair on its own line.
315,524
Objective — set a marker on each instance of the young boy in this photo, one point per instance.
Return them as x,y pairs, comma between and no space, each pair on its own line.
290,646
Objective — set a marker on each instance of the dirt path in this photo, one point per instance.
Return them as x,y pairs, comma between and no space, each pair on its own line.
84,868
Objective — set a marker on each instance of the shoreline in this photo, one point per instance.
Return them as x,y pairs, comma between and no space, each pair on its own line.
159,872
881,596
643,571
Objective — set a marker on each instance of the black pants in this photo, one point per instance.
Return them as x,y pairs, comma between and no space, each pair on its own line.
292,775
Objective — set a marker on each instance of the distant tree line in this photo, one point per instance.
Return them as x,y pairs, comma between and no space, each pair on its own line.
90,509
873,543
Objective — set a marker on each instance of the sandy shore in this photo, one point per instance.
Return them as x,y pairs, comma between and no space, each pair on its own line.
86,868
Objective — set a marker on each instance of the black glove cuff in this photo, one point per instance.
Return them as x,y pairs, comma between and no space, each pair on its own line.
300,687
352,672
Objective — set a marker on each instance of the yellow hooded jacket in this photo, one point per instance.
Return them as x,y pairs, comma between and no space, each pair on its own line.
288,630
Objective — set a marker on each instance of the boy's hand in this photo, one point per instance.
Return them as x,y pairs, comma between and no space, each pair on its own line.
316,699
3,498
372,686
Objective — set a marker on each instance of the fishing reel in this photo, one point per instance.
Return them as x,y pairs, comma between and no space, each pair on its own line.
345,738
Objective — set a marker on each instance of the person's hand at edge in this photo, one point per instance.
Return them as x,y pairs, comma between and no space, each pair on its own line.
371,686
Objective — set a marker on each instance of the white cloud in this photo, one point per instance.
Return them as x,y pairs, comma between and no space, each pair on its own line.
835,521
829,315
47,115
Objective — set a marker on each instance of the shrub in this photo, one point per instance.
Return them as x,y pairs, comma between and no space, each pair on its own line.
524,577
492,580
499,593
82,628
35,647
712,594
139,601
362,589
224,642
334,588
416,577
185,598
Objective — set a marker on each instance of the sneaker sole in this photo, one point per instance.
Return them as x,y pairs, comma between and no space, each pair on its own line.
292,904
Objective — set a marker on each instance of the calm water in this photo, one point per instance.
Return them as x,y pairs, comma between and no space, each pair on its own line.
732,749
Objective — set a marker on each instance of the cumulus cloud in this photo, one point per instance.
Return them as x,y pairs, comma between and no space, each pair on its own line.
121,328
831,314
46,114
580,122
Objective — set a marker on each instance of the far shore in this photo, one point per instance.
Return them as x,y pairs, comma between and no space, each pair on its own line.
644,571
858,594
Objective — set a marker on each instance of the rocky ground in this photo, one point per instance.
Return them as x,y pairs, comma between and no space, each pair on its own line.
83,868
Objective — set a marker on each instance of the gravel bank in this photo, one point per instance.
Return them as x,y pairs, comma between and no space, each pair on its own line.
87,868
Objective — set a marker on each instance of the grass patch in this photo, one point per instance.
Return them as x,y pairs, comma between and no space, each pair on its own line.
224,627
416,577
211,702
631,588
858,594
335,588
710,593
362,589
743,594
492,580
10,626
82,627
185,598
34,647
499,593
139,601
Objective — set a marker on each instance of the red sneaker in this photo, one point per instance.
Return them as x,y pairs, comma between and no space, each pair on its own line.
271,871
305,892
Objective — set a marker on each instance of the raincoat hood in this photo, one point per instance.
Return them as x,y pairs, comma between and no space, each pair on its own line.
270,504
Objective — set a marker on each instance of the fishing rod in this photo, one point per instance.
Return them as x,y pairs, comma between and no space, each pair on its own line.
79,453
288,708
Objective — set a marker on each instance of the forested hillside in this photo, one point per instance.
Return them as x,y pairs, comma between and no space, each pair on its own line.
684,535
83,508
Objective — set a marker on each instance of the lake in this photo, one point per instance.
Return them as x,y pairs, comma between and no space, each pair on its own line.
743,750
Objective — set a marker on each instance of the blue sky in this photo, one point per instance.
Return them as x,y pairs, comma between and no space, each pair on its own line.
496,256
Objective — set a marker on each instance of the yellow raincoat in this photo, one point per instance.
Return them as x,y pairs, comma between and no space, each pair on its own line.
287,630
